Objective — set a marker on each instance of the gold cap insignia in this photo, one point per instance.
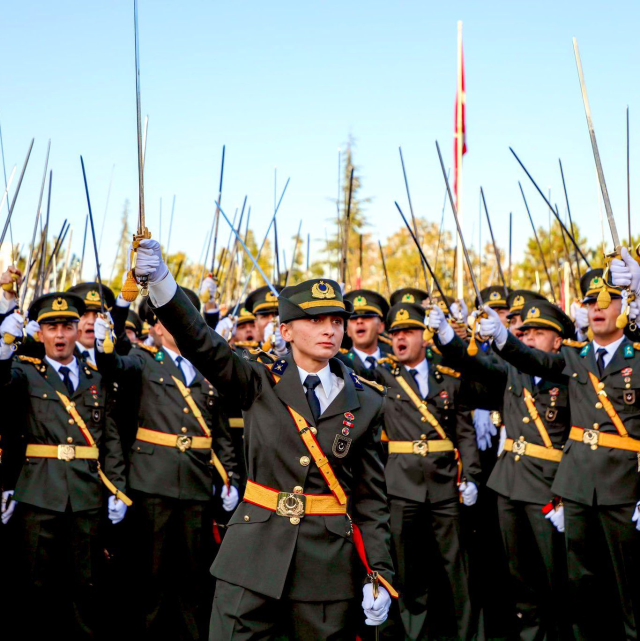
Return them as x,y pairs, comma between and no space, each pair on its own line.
322,290
359,301
518,301
408,298
59,305
93,296
271,297
244,312
401,316
494,296
596,283
442,305
534,312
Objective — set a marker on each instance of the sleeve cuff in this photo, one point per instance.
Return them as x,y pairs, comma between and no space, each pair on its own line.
6,305
163,291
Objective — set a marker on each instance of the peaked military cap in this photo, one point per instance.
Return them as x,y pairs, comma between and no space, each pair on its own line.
133,322
592,282
315,297
409,295
263,300
444,305
545,315
405,316
495,296
146,313
57,307
244,316
367,303
90,294
516,300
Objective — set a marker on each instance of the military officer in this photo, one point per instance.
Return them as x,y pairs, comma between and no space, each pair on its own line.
410,295
73,458
181,453
133,327
364,328
315,498
536,418
433,464
263,304
598,474
516,300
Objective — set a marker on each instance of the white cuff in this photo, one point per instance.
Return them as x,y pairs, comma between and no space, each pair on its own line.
500,339
7,304
163,291
445,333
121,302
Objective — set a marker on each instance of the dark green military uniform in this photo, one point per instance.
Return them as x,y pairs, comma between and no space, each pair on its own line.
599,484
522,477
59,497
422,485
301,572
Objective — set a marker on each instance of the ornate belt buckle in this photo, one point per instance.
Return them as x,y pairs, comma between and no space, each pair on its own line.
183,443
591,437
421,448
519,447
291,505
66,452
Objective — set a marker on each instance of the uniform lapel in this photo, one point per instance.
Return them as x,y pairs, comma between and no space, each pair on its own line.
53,378
618,361
347,399
290,391
404,372
590,360
84,381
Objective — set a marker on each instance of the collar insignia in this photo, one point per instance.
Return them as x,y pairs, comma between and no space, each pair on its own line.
628,351
356,380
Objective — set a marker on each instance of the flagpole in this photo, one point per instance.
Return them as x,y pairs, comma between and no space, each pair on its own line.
459,148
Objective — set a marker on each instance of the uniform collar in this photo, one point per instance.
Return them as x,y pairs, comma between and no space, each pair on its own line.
325,375
363,355
73,365
611,347
422,368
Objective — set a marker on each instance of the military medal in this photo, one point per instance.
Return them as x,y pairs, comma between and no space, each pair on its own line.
341,445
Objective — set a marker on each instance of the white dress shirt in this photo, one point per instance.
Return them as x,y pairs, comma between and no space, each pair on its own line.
611,350
329,388
422,377
74,373
188,369
363,355
90,350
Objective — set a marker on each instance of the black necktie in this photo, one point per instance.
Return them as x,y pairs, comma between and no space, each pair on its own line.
66,378
414,373
371,362
85,355
179,364
600,354
311,382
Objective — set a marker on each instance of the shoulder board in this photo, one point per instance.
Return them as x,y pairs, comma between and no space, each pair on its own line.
278,367
379,388
384,339
436,350
146,348
387,360
636,346
247,344
579,344
91,365
344,351
29,359
448,371
260,353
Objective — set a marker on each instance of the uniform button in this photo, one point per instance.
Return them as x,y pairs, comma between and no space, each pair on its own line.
96,404
397,395
423,437
313,430
521,439
297,489
601,385
596,426
162,380
553,404
185,410
44,396
247,518
598,405
210,393
525,419
575,375
304,461
69,439
294,520
183,430
70,421
138,448
423,419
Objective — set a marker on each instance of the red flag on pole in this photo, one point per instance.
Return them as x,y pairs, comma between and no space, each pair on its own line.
459,141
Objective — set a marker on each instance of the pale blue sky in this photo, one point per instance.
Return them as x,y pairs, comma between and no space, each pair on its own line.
284,84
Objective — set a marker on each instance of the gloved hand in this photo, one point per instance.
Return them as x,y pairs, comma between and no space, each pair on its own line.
120,301
625,272
460,311
634,519
492,327
149,261
101,328
485,429
117,510
13,324
208,285
581,320
634,309
278,343
226,327
376,611
438,323
469,493
8,506
557,518
32,328
229,496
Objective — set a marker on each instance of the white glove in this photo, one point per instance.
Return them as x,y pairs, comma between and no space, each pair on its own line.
208,285
7,507
101,328
120,301
459,311
485,429
376,610
469,493
13,324
229,496
226,327
502,439
581,318
149,261
626,272
438,323
635,518
33,327
557,518
634,309
492,327
117,510
279,344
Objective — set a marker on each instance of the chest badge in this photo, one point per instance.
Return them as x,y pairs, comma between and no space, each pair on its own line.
551,414
341,445
627,371
630,397
348,423
443,394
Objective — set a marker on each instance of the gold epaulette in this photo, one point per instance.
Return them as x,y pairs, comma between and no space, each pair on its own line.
436,350
344,351
246,344
30,359
636,346
388,360
448,371
384,339
148,348
580,344
93,366
376,386
261,352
